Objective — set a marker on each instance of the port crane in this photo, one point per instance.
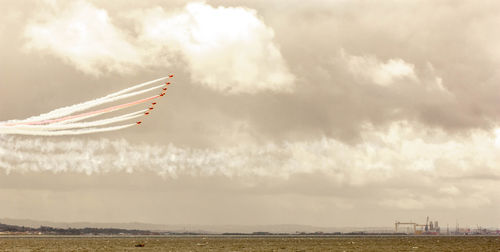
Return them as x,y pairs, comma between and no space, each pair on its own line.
429,226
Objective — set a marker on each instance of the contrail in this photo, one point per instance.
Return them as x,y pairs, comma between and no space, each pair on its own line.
61,121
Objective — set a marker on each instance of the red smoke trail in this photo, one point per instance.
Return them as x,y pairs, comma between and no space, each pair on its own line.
125,105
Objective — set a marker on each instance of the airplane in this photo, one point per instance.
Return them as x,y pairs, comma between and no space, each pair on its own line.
164,89
162,94
154,103
151,108
170,76
167,83
139,122
147,113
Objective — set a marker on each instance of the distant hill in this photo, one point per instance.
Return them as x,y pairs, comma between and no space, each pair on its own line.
45,230
207,229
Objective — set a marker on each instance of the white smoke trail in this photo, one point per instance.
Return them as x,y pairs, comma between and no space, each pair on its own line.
51,127
15,131
90,104
60,121
93,115
79,107
136,87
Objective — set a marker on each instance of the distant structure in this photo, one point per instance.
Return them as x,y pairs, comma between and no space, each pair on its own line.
429,228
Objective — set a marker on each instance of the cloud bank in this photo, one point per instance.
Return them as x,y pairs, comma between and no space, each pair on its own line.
226,49
384,152
402,161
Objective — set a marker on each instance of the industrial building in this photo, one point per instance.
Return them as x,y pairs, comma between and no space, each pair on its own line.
429,228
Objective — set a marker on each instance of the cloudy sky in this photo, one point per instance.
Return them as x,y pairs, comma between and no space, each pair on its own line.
326,113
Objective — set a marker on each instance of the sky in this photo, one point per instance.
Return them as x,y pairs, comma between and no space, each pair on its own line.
324,113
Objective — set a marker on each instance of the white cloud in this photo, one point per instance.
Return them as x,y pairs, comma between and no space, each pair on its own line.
84,36
384,153
226,49
394,161
380,73
403,158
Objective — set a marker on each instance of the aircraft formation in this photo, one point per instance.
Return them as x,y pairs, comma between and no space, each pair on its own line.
71,120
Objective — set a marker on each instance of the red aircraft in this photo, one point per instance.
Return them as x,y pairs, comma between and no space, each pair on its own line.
154,103
147,113
162,94
164,89
170,76
167,83
151,108
139,122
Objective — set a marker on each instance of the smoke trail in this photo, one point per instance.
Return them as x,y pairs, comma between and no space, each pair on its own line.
76,125
15,131
62,122
86,105
96,112
136,87
90,116
77,108
47,130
